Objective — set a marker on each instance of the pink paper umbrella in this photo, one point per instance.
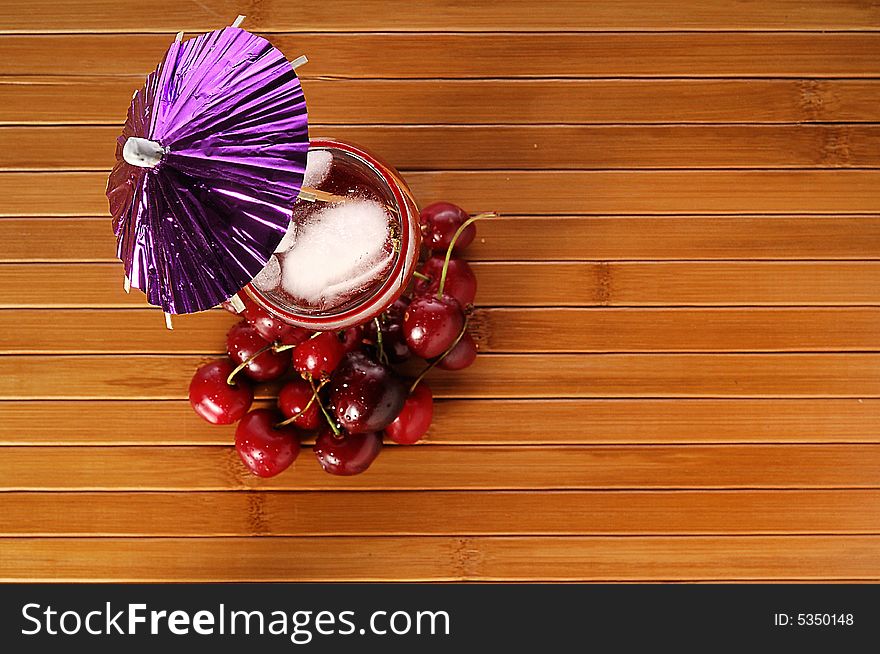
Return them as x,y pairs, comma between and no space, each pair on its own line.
209,164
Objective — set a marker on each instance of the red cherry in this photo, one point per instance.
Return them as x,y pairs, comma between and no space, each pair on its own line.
318,357
215,400
393,341
365,395
461,282
352,338
415,418
294,396
461,356
243,342
271,327
348,454
263,448
439,223
431,324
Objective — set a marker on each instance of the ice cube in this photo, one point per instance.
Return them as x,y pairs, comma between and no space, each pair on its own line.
288,239
270,276
337,251
317,167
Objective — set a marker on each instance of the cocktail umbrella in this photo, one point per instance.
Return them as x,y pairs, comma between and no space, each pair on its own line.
208,167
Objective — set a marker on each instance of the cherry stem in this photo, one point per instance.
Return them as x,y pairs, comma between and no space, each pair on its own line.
464,225
422,276
311,401
327,417
244,364
442,356
381,347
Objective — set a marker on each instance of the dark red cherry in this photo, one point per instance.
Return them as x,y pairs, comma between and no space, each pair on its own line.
271,327
263,448
439,223
461,282
243,342
293,397
393,341
461,356
352,338
348,454
319,356
431,324
414,418
215,400
365,395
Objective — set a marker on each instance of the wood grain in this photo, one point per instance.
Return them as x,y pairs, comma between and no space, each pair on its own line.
170,16
450,55
639,558
837,283
471,467
433,513
31,99
523,192
133,331
464,422
525,238
503,376
517,146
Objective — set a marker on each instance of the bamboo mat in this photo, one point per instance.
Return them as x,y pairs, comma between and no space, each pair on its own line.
679,312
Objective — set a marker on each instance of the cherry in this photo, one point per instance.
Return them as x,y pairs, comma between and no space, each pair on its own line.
243,342
393,341
414,418
352,338
365,396
347,454
293,399
319,356
461,356
439,223
264,448
271,327
431,324
216,401
461,282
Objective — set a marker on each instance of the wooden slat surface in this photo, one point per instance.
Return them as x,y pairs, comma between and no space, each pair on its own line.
375,15
596,192
678,312
473,467
451,55
524,238
29,99
463,422
45,331
581,558
440,513
493,376
518,146
539,283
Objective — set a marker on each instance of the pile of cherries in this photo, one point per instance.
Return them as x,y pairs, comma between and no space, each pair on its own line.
346,392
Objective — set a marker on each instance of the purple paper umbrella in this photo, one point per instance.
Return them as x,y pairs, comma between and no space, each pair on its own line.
208,166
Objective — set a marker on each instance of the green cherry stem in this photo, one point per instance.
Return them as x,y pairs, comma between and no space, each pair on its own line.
442,356
327,417
311,401
464,225
275,347
244,364
383,358
421,275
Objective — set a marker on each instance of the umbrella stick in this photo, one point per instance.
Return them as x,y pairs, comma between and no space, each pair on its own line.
299,61
126,285
312,194
168,324
236,303
238,21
